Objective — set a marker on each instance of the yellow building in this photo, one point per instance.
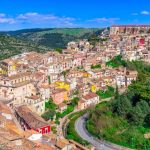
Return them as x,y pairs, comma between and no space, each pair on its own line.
86,75
62,85
93,88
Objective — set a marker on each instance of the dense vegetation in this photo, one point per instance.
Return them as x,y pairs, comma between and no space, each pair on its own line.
127,118
116,62
55,37
70,108
95,39
97,66
106,94
10,46
51,109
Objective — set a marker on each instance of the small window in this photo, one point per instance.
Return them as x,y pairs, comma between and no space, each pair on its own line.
40,131
46,130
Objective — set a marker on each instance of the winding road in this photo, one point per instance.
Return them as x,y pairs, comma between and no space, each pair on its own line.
98,144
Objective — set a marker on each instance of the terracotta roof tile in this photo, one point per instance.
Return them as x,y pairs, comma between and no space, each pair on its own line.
32,119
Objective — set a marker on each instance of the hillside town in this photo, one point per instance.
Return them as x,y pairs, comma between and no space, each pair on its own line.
83,75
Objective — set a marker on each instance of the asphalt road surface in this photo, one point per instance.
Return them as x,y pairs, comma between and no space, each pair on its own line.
98,144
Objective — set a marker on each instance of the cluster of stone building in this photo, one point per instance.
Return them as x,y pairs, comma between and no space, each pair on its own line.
13,138
28,80
32,78
133,41
11,135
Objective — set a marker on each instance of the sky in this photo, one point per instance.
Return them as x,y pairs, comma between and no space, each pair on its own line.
23,14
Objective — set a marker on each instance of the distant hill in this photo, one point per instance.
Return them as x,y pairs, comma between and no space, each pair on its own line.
41,40
54,37
10,46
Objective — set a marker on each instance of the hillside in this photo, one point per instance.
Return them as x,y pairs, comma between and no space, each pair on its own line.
125,120
10,46
41,40
54,37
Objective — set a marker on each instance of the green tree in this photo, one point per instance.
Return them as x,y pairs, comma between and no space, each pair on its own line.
137,116
50,104
123,106
144,107
49,80
64,73
59,50
147,120
140,112
74,101
49,114
116,92
76,92
96,66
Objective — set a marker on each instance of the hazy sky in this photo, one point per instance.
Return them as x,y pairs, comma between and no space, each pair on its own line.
19,14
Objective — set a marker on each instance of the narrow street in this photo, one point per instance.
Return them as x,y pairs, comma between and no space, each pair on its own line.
15,120
62,121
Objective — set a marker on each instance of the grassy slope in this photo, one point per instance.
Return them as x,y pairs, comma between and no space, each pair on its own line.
116,129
